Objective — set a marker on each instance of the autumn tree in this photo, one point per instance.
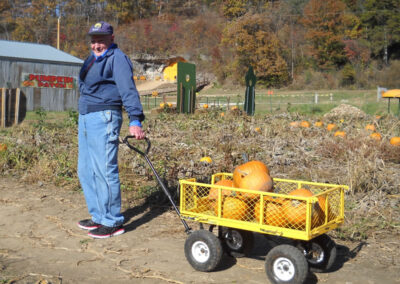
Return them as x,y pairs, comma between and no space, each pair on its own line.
323,21
6,20
252,43
381,27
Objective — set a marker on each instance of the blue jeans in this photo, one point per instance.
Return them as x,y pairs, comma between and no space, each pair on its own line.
98,134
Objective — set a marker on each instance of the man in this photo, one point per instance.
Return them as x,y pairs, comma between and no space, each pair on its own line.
106,84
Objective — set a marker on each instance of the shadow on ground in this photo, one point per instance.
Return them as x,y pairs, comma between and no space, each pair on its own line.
155,205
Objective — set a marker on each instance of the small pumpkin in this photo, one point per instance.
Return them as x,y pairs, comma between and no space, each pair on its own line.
257,129
395,141
377,136
370,127
3,147
234,108
331,127
205,106
162,105
305,124
222,114
206,160
319,124
214,190
169,104
294,124
340,134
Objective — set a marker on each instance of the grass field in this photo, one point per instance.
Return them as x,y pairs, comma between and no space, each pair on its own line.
303,102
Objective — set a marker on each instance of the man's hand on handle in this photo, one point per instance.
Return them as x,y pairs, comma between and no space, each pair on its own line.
137,132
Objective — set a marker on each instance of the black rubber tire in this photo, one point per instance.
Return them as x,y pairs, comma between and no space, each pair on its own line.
286,264
320,253
203,250
236,242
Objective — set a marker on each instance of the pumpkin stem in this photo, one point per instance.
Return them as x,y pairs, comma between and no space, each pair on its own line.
242,173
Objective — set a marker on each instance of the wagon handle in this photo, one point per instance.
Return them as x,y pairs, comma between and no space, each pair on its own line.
188,230
125,140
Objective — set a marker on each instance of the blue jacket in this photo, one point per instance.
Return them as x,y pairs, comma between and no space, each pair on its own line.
107,83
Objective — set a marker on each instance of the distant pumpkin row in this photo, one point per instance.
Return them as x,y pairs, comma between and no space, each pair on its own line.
332,126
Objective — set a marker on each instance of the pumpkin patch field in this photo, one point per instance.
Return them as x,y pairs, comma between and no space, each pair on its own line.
41,199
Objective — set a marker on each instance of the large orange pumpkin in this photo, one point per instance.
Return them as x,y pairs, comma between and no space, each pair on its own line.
214,190
252,175
296,210
395,141
273,214
233,208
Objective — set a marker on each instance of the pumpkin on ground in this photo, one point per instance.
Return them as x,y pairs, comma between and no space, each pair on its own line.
319,124
305,124
370,127
3,147
395,141
340,134
331,126
205,106
206,160
377,136
225,192
295,210
294,124
252,175
257,129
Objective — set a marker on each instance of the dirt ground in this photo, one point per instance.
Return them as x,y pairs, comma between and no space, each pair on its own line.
40,243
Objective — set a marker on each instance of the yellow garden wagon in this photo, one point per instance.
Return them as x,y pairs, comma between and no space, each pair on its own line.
298,225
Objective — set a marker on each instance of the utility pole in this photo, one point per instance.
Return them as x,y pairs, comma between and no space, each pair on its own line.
58,32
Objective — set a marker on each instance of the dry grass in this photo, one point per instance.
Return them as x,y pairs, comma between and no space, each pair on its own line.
371,168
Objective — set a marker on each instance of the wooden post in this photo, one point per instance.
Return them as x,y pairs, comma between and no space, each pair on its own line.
17,100
3,108
9,106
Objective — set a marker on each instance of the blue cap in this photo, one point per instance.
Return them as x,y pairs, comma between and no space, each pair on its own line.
101,28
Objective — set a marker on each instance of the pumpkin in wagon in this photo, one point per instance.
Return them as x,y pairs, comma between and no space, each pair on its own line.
232,208
296,210
214,190
273,214
252,175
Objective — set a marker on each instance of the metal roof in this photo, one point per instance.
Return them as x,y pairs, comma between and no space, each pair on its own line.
35,52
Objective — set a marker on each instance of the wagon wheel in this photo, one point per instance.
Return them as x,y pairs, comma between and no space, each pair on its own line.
320,253
203,250
286,264
237,243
